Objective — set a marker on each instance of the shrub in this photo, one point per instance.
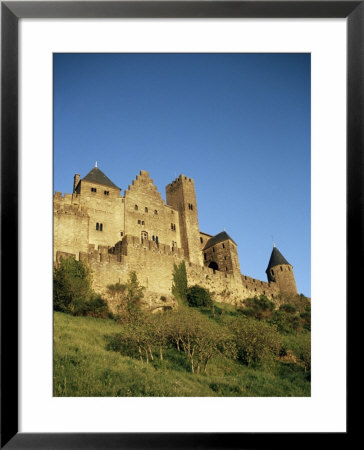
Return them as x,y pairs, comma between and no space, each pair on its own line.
258,307
71,285
254,340
198,297
72,291
288,308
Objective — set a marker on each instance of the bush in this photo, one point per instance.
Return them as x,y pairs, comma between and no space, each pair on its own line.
255,341
198,297
72,291
71,285
258,307
288,308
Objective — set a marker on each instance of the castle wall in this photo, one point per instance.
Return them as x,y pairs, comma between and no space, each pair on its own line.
107,210
153,264
154,267
71,225
126,243
143,203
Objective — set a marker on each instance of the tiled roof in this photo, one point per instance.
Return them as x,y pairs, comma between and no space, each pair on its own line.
98,177
221,237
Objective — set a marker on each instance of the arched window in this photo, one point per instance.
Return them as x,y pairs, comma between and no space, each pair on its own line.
144,235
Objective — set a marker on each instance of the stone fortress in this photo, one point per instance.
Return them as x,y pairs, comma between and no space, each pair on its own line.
141,232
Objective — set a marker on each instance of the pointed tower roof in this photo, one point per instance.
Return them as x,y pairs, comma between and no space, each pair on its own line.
221,237
276,259
98,177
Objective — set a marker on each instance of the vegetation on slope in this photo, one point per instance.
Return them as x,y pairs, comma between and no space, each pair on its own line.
203,349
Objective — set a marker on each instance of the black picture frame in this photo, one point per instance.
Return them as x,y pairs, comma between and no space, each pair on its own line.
11,12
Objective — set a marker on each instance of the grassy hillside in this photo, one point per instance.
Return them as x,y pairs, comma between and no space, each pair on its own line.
83,367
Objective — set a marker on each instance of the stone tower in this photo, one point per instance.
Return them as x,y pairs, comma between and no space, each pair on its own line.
220,253
279,270
181,195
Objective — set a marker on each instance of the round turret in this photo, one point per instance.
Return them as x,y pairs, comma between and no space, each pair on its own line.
280,271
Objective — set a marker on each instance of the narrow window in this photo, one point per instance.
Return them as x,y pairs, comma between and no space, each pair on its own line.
146,209
156,240
226,268
97,226
144,235
272,271
223,245
106,192
213,249
136,207
201,240
121,233
100,226
139,222
155,211
143,222
281,269
289,269
153,238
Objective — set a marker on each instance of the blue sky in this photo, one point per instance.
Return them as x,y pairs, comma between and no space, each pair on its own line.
239,124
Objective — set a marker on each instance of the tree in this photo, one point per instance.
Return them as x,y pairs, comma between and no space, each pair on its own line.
71,284
199,337
255,340
198,297
129,296
179,286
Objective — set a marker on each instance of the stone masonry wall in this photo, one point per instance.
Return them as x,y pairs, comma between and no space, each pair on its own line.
71,225
146,211
182,197
154,267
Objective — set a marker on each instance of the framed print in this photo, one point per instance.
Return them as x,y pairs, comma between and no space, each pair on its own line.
161,59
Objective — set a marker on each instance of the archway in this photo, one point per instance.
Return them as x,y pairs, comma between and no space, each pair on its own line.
213,265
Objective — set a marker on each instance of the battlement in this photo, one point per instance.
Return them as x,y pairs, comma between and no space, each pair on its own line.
179,180
143,233
130,243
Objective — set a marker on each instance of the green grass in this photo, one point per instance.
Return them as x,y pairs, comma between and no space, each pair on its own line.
83,367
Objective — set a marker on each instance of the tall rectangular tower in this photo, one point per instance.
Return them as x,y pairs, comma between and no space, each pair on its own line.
181,196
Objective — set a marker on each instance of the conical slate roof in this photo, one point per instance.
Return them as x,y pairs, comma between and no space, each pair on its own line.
276,259
221,237
97,176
